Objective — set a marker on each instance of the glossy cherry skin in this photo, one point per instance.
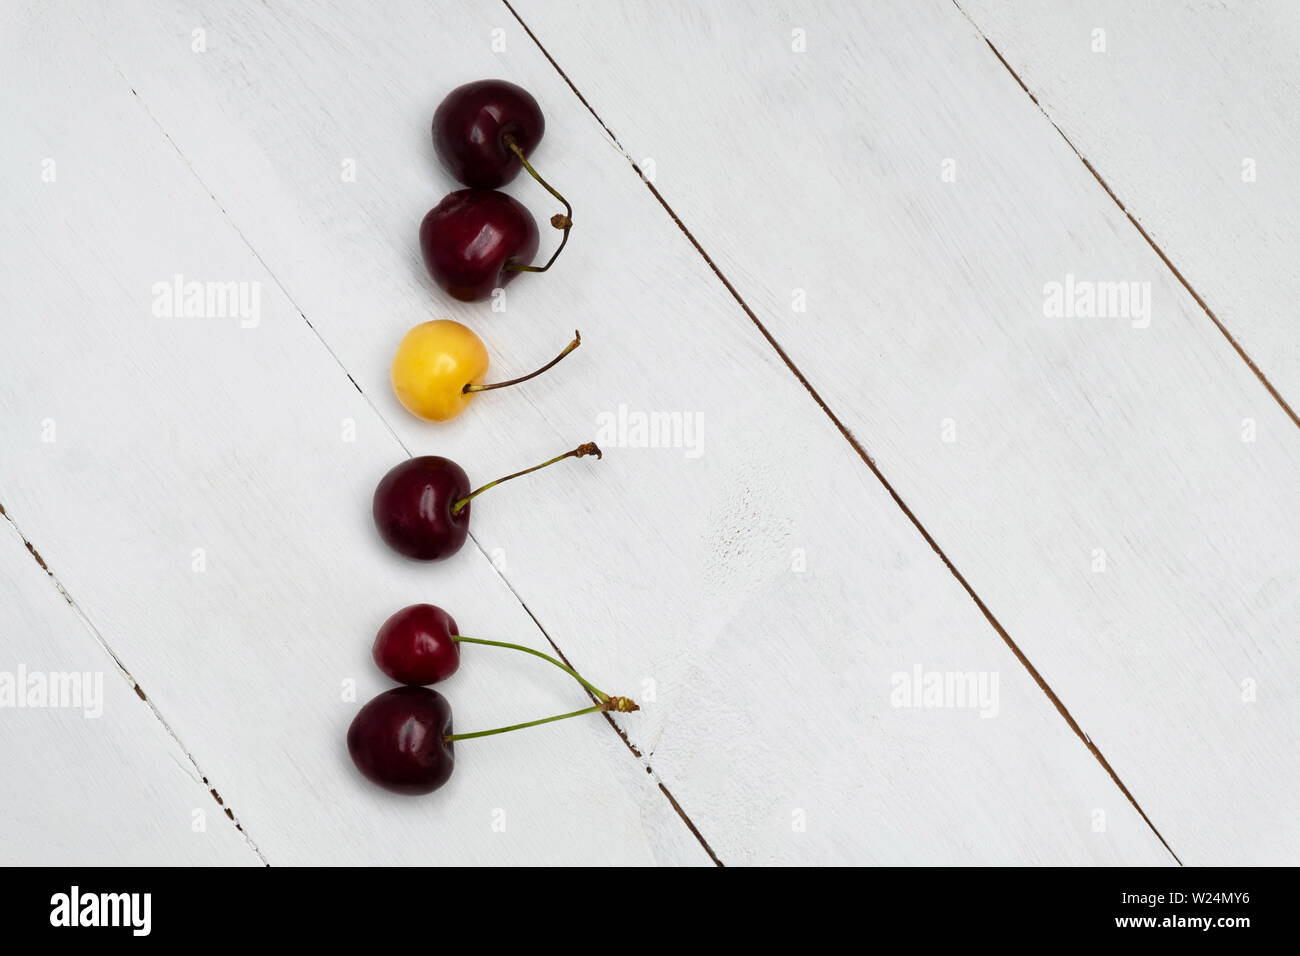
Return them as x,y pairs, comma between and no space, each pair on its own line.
396,740
468,238
415,645
470,127
433,364
412,508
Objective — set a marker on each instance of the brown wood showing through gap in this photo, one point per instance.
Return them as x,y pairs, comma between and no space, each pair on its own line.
862,452
121,667
1182,280
627,742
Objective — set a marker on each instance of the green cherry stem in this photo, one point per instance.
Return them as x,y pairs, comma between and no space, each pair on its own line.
599,694
622,705
532,723
587,449
577,340
562,220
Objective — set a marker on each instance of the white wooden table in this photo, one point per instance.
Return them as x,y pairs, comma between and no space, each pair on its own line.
853,243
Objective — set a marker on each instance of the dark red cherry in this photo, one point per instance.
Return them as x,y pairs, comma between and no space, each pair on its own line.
415,647
413,508
470,127
397,740
421,506
469,237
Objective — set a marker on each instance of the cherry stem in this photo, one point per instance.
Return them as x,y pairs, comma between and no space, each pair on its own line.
562,221
588,449
449,738
600,694
577,340
622,705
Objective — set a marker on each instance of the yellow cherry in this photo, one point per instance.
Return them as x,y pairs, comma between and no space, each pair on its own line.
440,365
434,363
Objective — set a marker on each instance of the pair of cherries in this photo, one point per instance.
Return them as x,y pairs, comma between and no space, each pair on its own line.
402,740
478,239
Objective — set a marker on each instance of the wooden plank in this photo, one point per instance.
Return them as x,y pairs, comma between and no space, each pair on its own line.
768,683
91,777
1121,493
1187,112
202,485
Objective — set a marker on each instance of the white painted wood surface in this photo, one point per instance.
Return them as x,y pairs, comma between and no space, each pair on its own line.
645,590
1188,112
759,597
91,776
1076,439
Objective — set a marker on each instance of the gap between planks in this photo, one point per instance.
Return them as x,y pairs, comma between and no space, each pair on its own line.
135,685
861,450
672,801
1196,296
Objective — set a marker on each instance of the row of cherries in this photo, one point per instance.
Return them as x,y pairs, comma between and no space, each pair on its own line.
473,242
